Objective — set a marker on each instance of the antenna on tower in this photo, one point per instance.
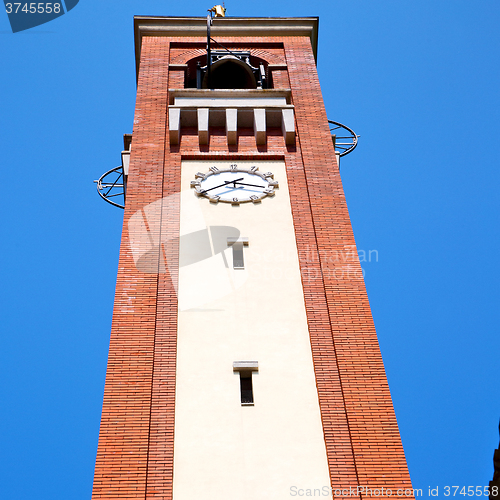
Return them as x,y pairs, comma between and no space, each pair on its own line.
217,11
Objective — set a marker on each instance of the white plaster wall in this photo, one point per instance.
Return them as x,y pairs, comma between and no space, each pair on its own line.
223,451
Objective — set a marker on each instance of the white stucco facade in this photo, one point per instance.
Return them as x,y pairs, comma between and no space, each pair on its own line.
223,450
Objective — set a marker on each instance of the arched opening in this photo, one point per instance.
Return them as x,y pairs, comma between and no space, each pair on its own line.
229,72
235,70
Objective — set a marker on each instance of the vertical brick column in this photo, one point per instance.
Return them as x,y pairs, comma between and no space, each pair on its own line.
376,446
125,424
161,438
331,401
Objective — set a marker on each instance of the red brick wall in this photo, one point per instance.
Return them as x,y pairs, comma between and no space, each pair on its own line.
135,453
138,329
348,346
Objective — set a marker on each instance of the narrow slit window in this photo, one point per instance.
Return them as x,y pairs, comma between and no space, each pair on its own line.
238,256
245,370
237,244
246,388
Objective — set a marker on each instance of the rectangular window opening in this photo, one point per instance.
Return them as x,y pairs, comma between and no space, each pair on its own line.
238,256
246,388
238,244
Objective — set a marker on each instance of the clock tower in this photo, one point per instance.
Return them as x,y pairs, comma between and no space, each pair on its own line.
243,359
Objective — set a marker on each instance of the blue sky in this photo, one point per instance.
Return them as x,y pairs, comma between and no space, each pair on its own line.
419,81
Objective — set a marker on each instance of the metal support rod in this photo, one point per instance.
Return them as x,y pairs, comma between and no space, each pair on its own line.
224,47
198,75
209,56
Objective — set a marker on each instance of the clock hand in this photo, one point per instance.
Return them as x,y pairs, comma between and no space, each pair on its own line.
221,185
245,184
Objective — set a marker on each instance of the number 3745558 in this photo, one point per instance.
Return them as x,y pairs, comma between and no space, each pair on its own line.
451,491
33,8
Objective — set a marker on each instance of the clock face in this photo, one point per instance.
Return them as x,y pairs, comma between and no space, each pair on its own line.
234,184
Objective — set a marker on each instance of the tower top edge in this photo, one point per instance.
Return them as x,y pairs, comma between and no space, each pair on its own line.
224,26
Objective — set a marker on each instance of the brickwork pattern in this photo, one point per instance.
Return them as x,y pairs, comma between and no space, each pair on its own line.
135,453
182,54
376,445
122,455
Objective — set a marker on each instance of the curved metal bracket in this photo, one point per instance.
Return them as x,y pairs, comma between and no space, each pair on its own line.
344,143
112,184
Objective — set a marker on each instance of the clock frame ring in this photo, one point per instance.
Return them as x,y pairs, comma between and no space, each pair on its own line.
234,184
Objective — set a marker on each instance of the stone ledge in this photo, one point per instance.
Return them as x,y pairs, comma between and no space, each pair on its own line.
223,94
257,108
